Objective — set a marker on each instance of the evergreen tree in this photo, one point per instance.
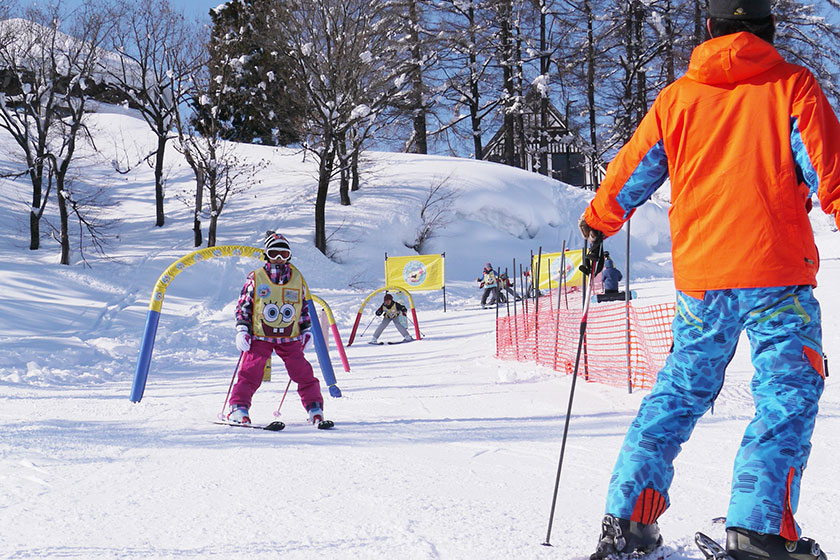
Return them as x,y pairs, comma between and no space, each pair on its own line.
254,105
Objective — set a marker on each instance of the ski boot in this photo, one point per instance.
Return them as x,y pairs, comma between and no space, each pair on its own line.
316,414
742,544
238,414
621,536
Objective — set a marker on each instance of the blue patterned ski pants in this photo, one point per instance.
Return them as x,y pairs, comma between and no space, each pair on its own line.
783,326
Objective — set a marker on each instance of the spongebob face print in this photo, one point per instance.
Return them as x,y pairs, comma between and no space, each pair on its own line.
277,308
278,319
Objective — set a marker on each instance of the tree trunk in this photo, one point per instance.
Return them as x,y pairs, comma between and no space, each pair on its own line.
344,184
35,210
211,230
344,171
199,193
64,227
475,95
417,101
161,147
199,202
699,24
354,170
670,71
325,168
507,77
36,177
212,181
520,98
590,90
544,62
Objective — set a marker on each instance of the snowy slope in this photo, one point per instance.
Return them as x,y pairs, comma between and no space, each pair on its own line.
441,451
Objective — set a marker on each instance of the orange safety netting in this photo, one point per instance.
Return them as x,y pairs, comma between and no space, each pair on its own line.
550,336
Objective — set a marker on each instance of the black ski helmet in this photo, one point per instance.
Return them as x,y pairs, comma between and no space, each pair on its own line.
739,9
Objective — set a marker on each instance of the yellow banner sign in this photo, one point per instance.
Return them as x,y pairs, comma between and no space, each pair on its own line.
416,273
554,267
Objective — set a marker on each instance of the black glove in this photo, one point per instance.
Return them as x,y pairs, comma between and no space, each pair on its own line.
593,261
378,312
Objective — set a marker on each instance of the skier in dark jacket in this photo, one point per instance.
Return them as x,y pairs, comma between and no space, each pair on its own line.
390,311
611,276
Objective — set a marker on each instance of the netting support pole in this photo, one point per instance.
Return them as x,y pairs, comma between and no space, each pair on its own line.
627,311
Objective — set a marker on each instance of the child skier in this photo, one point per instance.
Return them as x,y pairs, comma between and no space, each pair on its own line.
611,275
391,311
272,316
488,281
506,288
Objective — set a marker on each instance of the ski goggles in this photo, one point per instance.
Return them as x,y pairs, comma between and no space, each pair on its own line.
282,254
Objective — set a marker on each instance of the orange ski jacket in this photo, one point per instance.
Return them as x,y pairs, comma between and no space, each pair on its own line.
746,138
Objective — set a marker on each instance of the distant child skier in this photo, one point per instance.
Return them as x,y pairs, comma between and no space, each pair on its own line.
272,316
746,139
611,276
489,282
390,311
530,292
506,288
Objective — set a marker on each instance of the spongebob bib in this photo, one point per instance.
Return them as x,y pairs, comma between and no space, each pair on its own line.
392,311
277,307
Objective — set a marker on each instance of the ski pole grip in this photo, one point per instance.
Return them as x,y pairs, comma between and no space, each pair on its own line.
593,262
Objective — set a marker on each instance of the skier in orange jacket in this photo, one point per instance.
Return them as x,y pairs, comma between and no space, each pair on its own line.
747,139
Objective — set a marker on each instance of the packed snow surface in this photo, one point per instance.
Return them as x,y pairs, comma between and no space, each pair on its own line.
440,450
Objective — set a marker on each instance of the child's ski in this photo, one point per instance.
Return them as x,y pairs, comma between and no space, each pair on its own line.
325,425
275,426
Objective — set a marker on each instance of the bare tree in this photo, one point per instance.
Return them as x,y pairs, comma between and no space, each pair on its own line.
150,41
435,212
28,104
344,69
220,174
52,81
466,64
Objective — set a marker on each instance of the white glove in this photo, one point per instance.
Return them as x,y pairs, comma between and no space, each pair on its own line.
243,339
306,339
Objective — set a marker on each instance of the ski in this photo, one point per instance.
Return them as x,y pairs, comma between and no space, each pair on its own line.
710,548
325,425
660,553
375,343
399,341
275,426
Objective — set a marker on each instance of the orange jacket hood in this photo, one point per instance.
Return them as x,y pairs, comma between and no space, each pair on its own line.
731,59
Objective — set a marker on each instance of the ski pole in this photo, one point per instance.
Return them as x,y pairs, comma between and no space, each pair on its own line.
221,415
368,326
410,322
277,412
591,265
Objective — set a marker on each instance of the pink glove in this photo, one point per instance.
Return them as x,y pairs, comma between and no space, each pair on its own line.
306,340
243,339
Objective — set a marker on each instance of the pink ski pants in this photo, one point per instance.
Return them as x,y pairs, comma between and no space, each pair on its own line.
252,366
